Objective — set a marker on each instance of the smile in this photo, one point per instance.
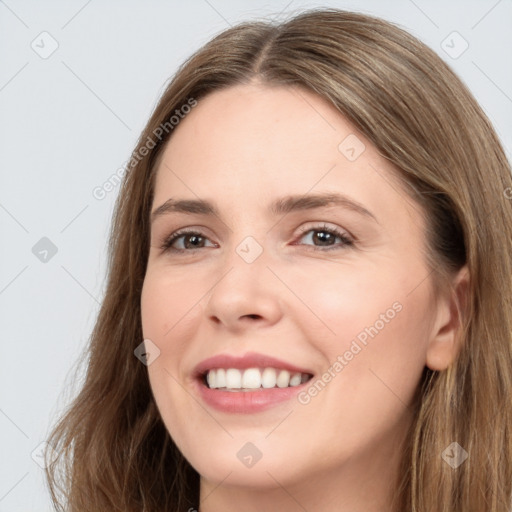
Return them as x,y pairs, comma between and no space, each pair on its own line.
248,383
253,379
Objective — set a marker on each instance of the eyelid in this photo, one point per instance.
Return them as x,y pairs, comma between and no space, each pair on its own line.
319,225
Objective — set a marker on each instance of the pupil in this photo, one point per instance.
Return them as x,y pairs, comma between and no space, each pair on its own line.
326,237
194,239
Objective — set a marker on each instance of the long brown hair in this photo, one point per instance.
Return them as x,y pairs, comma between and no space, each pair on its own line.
114,450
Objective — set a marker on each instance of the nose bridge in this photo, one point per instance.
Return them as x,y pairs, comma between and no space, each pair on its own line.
244,289
246,268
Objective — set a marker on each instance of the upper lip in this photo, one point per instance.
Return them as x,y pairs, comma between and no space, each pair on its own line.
248,360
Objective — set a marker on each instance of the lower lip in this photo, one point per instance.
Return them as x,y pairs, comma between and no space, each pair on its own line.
247,401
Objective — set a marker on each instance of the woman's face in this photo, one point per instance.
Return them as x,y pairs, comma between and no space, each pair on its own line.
331,290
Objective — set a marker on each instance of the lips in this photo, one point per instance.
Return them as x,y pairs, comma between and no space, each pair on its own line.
233,397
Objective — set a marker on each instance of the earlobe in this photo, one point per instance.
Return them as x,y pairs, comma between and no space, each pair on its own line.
445,341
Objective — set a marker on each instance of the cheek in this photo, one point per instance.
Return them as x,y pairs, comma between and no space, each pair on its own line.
341,300
167,306
167,314
376,319
372,365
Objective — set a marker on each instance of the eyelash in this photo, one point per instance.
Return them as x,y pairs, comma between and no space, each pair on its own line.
346,240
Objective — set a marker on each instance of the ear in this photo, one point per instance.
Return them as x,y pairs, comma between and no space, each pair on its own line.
444,343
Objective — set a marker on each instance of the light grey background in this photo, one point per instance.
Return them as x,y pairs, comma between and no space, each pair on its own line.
69,120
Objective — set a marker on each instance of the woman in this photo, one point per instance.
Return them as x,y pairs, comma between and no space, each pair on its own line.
309,298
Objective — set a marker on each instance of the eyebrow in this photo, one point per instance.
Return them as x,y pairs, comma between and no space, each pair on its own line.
281,206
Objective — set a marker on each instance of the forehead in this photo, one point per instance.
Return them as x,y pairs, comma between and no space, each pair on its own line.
248,144
257,121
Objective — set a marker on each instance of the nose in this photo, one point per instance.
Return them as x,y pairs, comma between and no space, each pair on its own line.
246,295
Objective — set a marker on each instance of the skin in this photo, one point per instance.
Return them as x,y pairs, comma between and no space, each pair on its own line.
243,147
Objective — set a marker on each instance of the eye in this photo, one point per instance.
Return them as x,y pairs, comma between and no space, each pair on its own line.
322,235
326,237
191,240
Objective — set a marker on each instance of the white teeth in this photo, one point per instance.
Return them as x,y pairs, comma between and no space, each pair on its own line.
211,379
253,378
233,378
295,379
283,379
220,378
268,378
